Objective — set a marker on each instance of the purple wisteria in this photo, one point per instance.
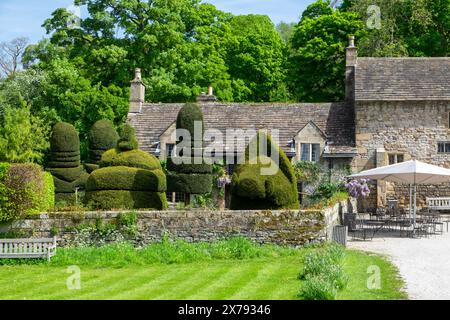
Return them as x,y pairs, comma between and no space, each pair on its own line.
358,188
223,181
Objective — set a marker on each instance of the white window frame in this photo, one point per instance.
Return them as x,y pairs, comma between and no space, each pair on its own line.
310,152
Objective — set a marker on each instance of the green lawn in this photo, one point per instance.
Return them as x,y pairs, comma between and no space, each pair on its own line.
257,278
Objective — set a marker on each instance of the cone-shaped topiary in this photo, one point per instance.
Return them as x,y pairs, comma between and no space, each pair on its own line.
128,178
250,189
127,140
64,164
193,177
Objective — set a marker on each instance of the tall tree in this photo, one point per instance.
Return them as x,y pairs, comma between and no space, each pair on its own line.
11,54
317,64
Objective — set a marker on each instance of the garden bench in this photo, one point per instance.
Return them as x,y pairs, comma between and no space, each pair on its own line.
28,248
438,203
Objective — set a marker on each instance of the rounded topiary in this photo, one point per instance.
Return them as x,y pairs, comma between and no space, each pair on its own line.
187,116
64,138
127,140
134,158
252,190
102,136
64,164
126,178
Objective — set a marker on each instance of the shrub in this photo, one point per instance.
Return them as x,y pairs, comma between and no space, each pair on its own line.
66,174
64,138
127,139
133,158
252,190
187,116
126,178
125,199
65,161
102,136
24,189
189,183
188,167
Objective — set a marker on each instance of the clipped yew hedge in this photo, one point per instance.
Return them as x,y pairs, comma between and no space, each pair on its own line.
252,190
189,167
189,183
126,178
133,158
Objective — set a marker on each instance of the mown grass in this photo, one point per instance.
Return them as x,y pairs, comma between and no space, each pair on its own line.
231,269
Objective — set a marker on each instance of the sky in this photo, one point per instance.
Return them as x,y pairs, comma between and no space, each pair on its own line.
25,17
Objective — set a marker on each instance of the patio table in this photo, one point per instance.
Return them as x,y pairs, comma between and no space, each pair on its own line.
375,225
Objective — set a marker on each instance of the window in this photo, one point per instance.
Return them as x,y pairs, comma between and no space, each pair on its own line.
310,152
443,147
169,149
396,158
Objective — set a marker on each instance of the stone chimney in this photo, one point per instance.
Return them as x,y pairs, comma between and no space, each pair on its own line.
351,56
207,98
137,92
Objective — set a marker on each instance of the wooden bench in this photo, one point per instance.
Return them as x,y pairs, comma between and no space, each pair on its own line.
438,203
28,248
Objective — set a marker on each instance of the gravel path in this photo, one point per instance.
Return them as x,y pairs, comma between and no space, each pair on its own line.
423,263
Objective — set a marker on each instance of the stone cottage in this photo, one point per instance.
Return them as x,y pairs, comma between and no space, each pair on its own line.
395,109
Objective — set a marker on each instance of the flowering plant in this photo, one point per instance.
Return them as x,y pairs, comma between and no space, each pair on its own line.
358,188
223,181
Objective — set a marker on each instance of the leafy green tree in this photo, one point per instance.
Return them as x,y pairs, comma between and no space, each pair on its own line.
23,137
286,30
256,57
407,27
317,64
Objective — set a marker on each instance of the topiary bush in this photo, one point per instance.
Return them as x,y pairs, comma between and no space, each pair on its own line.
127,140
252,190
189,178
102,137
64,162
133,158
24,189
127,178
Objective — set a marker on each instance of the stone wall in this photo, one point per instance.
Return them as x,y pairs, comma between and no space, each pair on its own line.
295,227
410,128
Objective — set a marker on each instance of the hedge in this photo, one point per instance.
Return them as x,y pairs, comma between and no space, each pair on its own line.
133,158
64,138
125,199
188,168
127,139
90,167
66,174
126,178
24,189
189,183
252,190
103,135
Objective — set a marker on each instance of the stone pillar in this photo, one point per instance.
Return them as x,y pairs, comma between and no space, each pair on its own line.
381,161
351,56
137,93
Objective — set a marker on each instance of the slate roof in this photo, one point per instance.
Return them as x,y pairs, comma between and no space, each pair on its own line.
336,120
393,79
